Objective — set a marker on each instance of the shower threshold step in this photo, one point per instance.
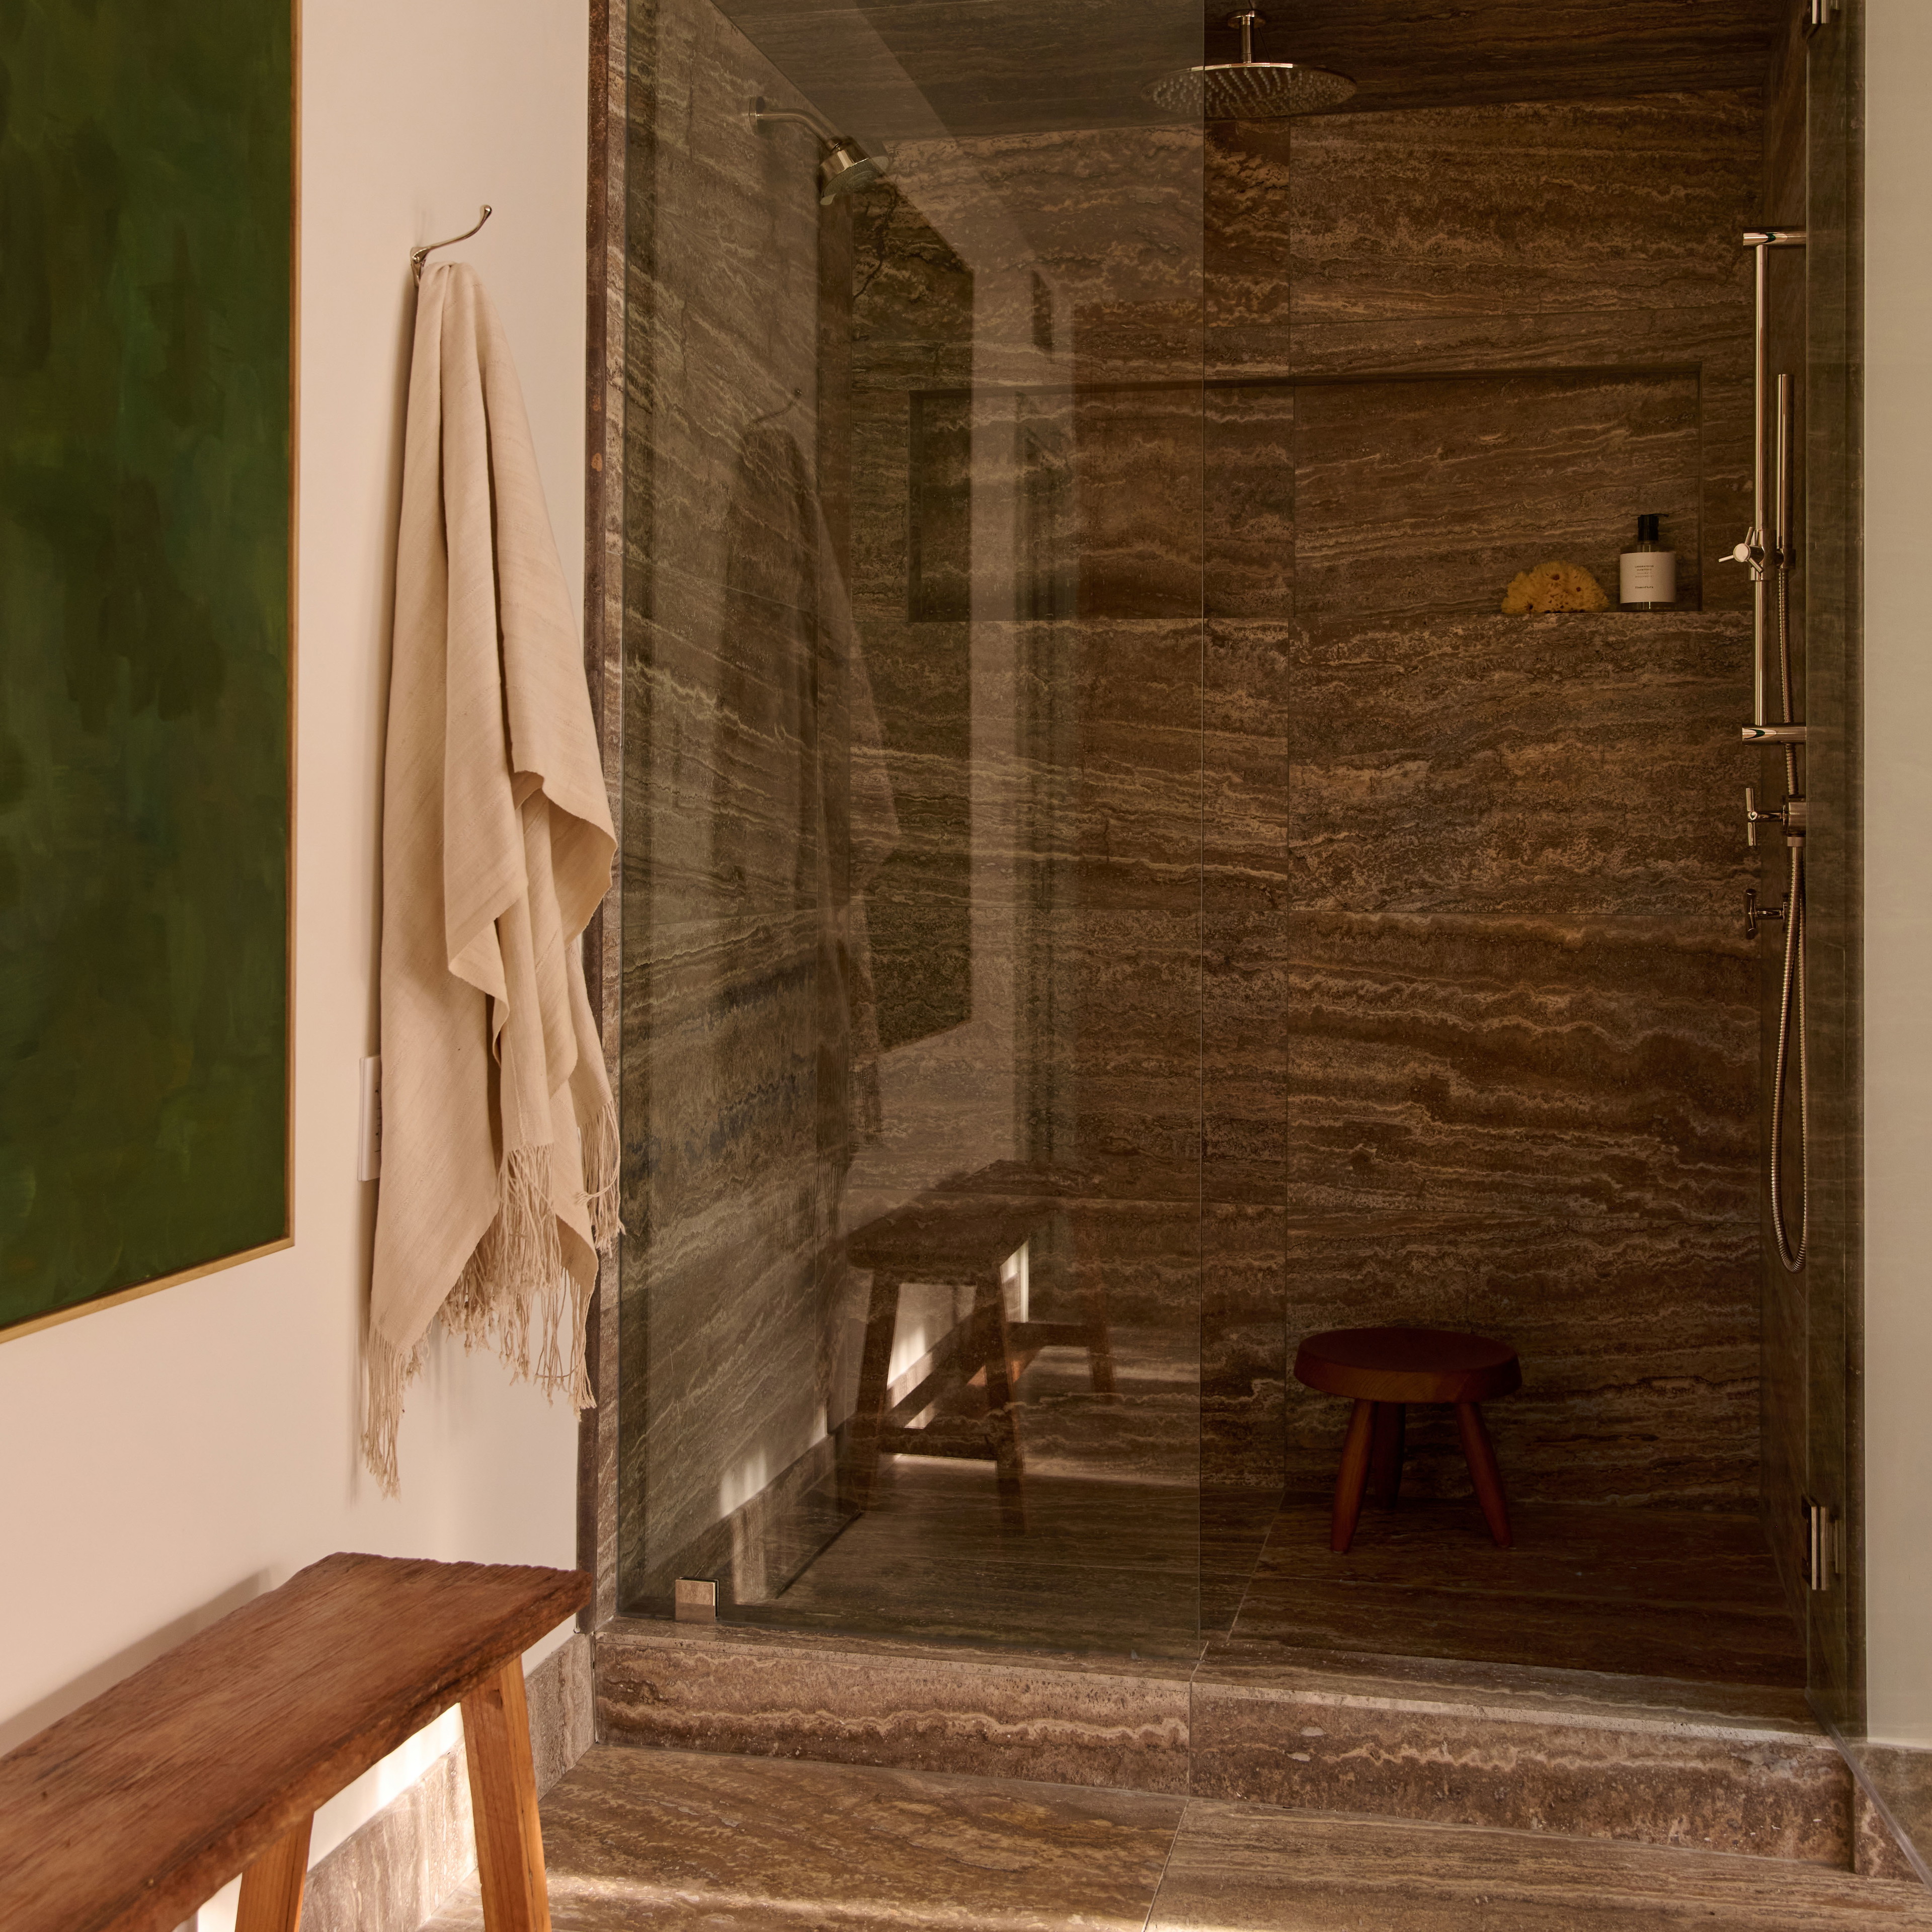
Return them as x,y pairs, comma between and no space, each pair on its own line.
1736,1769
641,1839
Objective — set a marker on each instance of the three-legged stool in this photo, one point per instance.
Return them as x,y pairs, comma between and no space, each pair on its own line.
1384,1369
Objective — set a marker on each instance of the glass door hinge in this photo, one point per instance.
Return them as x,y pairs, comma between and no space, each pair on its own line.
1824,1544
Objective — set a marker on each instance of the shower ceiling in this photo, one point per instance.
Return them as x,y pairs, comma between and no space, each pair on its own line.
899,68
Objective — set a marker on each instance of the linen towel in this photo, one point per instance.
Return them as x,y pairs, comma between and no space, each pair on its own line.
500,1136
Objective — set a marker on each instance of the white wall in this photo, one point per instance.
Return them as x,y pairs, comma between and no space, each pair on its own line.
1898,870
167,1459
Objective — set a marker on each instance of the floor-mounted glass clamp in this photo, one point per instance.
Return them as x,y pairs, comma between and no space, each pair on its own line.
694,1600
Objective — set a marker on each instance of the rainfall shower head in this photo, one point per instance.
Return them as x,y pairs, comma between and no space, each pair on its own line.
1248,89
846,167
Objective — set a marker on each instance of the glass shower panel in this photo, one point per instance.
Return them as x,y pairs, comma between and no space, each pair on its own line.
910,1289
1830,632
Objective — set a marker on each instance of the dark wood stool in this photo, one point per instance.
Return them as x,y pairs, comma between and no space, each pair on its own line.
1385,1369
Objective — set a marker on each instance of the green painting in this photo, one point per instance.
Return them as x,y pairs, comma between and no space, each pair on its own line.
146,230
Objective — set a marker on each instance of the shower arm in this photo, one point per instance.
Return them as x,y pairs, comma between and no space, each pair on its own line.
819,125
1767,547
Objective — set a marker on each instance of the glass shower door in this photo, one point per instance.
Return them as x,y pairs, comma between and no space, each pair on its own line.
1832,563
911,1293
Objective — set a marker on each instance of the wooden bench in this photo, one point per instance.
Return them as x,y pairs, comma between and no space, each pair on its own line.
129,1814
962,1233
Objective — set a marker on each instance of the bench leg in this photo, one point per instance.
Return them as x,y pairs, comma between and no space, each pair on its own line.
1481,1455
1385,1464
272,1888
989,1317
503,1799
861,1467
1354,1477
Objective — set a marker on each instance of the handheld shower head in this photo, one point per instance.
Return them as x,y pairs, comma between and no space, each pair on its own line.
846,165
1248,89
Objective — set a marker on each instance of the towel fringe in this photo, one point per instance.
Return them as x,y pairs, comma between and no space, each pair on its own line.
387,1374
603,1167
515,1281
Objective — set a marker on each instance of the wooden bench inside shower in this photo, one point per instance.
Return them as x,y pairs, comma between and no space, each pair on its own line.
961,1234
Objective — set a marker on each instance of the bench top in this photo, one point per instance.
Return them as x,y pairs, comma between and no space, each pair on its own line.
967,1224
128,1813
936,1236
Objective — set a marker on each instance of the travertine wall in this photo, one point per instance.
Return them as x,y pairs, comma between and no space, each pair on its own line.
1475,1041
1376,954
1520,1027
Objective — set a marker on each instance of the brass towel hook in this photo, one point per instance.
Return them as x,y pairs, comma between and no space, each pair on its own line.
419,255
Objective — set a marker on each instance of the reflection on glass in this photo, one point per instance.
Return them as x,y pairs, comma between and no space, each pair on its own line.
911,1288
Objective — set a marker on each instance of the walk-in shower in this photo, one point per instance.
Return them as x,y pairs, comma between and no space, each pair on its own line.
1110,892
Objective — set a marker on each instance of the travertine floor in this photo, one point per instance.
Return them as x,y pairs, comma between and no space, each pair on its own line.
1159,1570
668,1839
1639,1592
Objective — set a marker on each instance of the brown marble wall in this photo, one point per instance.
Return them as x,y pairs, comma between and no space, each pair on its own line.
1835,703
1372,952
1522,1051
1480,977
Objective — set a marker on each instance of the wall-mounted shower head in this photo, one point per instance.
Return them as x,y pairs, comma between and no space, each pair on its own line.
1248,89
846,165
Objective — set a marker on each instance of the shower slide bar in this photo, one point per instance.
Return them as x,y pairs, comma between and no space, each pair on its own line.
1767,550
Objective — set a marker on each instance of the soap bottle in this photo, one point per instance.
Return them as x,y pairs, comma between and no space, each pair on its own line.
1647,572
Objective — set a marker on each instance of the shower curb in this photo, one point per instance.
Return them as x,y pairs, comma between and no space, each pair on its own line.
1630,1760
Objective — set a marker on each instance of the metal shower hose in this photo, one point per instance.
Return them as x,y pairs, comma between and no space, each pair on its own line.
1791,998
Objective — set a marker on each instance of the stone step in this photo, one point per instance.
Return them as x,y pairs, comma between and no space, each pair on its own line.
659,1839
1243,1868
1723,1769
1720,1767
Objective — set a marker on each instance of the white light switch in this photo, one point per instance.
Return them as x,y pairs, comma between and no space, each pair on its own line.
369,1159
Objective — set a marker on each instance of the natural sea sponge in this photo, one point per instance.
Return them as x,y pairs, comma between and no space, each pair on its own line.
1554,586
